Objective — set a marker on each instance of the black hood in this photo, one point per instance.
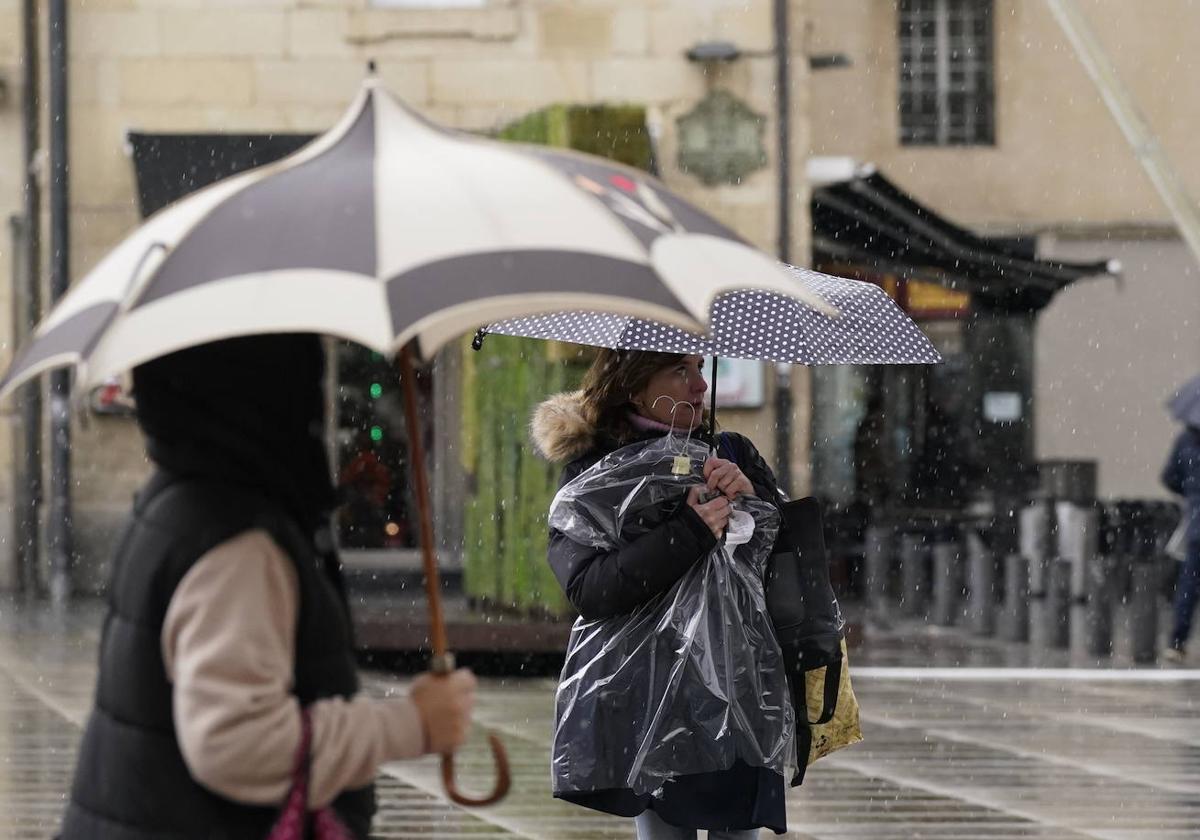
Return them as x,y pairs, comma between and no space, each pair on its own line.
246,411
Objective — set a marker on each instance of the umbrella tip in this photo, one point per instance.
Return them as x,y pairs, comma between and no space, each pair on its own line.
477,341
371,67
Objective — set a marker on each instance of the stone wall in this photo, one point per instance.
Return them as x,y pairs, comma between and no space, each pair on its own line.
1059,158
293,65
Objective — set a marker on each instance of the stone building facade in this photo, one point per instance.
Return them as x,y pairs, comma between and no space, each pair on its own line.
199,66
1056,168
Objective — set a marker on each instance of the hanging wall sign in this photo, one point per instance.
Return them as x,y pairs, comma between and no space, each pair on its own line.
721,140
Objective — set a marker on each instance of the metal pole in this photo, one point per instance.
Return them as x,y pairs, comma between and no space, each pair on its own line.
59,526
29,397
20,487
783,121
981,600
914,573
947,580
1137,131
878,562
1016,598
783,118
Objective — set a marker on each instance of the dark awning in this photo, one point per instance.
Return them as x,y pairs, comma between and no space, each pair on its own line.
169,166
868,221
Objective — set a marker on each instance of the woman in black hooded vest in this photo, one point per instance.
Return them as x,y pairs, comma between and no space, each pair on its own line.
227,616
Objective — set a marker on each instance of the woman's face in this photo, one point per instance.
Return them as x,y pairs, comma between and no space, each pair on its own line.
672,393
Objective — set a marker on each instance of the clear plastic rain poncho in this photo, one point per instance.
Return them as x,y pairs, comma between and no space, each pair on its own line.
689,681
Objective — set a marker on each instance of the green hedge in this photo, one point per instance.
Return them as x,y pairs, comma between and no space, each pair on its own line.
510,487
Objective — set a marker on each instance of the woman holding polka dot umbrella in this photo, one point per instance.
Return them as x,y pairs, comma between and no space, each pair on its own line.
662,616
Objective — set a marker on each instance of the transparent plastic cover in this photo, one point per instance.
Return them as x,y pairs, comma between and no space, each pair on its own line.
690,681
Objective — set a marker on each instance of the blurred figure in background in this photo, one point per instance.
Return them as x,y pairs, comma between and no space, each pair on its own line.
1181,475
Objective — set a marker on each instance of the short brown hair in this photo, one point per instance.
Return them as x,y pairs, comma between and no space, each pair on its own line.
611,383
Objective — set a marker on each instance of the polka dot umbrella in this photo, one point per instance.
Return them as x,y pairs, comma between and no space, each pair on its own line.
860,325
852,323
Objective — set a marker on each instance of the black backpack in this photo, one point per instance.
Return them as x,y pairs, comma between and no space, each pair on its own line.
803,609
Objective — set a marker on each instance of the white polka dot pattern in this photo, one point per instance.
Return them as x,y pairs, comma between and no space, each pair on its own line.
766,326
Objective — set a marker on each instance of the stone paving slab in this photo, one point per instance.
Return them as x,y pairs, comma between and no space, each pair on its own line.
954,754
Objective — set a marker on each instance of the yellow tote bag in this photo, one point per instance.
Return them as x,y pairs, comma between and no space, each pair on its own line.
843,728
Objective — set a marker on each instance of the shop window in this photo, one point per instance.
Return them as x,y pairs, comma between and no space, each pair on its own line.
946,73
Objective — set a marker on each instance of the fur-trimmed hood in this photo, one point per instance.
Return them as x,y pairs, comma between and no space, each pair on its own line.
559,429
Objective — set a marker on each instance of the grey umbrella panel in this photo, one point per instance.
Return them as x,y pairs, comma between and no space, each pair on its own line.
869,329
387,230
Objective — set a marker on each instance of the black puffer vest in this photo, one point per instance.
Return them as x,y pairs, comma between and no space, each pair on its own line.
131,782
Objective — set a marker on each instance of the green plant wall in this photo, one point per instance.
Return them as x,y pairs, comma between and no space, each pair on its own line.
509,486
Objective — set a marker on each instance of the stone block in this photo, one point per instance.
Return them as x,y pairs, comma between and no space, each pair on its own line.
110,5
305,119
10,37
187,81
646,80
485,117
512,81
577,32
408,80
378,26
630,31
676,28
101,172
95,81
224,33
131,33
751,26
241,5
673,30
319,33
97,230
309,82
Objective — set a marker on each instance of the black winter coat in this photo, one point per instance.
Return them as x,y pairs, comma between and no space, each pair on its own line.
1181,475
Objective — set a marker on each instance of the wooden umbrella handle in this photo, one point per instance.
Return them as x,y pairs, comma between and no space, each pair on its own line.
503,777
442,662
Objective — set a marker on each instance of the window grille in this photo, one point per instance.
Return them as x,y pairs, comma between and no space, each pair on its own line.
946,73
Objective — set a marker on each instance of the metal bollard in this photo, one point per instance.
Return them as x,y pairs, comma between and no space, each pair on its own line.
1078,532
914,574
947,583
1016,599
1142,543
877,562
1144,610
981,585
1058,604
1037,546
1100,606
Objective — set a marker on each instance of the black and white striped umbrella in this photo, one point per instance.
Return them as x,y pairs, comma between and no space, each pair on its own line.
868,328
389,229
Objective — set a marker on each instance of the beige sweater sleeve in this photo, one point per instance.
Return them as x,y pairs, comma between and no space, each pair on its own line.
228,643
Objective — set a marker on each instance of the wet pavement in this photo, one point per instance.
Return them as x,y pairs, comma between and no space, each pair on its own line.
982,752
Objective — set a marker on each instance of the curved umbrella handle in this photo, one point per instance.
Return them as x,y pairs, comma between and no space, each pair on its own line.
503,777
